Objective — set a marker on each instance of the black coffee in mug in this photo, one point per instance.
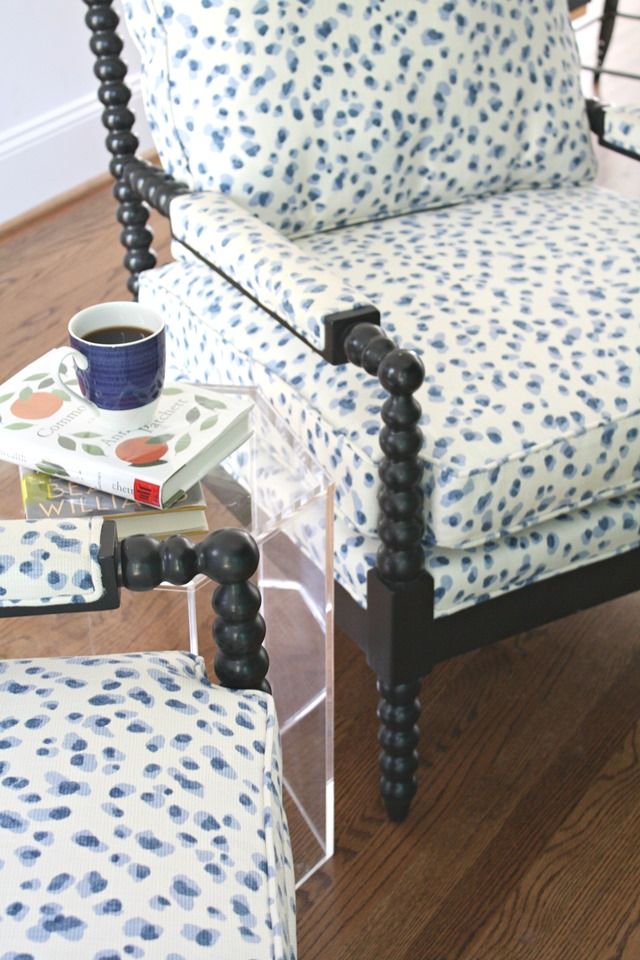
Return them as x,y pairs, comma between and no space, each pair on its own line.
110,336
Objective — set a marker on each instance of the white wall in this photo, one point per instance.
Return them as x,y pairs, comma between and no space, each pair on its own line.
51,137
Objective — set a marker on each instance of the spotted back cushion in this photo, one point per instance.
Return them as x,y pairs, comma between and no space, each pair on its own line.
317,113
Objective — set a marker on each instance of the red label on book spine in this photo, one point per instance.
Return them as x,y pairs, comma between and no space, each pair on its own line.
145,492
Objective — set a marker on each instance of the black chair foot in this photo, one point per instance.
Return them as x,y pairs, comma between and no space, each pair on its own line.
397,808
398,712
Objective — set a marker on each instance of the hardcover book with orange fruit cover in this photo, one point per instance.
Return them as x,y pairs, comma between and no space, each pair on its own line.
47,429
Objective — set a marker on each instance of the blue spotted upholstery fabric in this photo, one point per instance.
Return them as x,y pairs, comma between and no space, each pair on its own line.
463,578
622,128
291,283
140,814
50,562
524,308
318,113
524,418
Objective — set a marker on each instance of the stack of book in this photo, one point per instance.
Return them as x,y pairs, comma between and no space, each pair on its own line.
145,477
46,496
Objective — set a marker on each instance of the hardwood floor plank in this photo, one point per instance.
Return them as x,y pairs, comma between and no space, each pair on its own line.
526,703
552,903
56,266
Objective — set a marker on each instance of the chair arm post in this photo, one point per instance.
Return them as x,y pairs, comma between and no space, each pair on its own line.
595,115
229,557
122,143
399,590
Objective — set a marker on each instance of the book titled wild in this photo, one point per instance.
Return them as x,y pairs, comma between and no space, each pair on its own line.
43,427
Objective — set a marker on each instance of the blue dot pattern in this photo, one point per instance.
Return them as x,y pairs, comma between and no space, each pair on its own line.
622,128
106,849
199,310
263,262
530,403
50,562
321,113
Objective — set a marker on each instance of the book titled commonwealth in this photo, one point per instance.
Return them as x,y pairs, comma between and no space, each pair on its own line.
193,428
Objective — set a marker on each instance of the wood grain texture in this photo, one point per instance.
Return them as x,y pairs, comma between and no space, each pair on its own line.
524,840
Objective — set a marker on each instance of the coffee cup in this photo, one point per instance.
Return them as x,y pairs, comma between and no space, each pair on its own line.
118,350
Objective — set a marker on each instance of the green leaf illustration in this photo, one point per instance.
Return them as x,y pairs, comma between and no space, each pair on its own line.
209,422
67,443
5,397
183,442
171,391
46,383
210,404
62,369
161,438
35,376
93,449
192,415
86,435
61,394
25,393
46,467
18,426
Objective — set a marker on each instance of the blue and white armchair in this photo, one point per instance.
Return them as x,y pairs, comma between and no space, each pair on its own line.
384,216
141,806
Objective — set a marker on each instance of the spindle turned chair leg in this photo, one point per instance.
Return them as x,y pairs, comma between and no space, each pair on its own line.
229,557
399,590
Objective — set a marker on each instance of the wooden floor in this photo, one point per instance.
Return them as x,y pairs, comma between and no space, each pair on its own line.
524,840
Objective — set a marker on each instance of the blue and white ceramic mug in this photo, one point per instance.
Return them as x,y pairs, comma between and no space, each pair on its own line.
118,350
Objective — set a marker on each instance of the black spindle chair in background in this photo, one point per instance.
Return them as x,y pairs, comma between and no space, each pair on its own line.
426,167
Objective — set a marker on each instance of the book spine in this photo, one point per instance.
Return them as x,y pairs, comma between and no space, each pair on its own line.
81,467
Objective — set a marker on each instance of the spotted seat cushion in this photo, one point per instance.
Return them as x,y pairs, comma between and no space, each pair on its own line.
525,311
463,578
216,335
140,814
327,112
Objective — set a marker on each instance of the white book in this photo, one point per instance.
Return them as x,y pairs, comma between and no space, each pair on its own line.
193,428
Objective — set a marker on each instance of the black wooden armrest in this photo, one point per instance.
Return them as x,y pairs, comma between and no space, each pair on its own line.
229,557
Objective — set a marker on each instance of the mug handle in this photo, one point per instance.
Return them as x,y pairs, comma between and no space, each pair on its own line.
81,361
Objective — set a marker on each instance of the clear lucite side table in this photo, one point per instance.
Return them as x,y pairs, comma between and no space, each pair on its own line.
272,488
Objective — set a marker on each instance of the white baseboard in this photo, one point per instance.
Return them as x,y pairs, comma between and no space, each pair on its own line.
57,151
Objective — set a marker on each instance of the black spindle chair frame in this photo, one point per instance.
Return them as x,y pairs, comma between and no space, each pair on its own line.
229,557
397,631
